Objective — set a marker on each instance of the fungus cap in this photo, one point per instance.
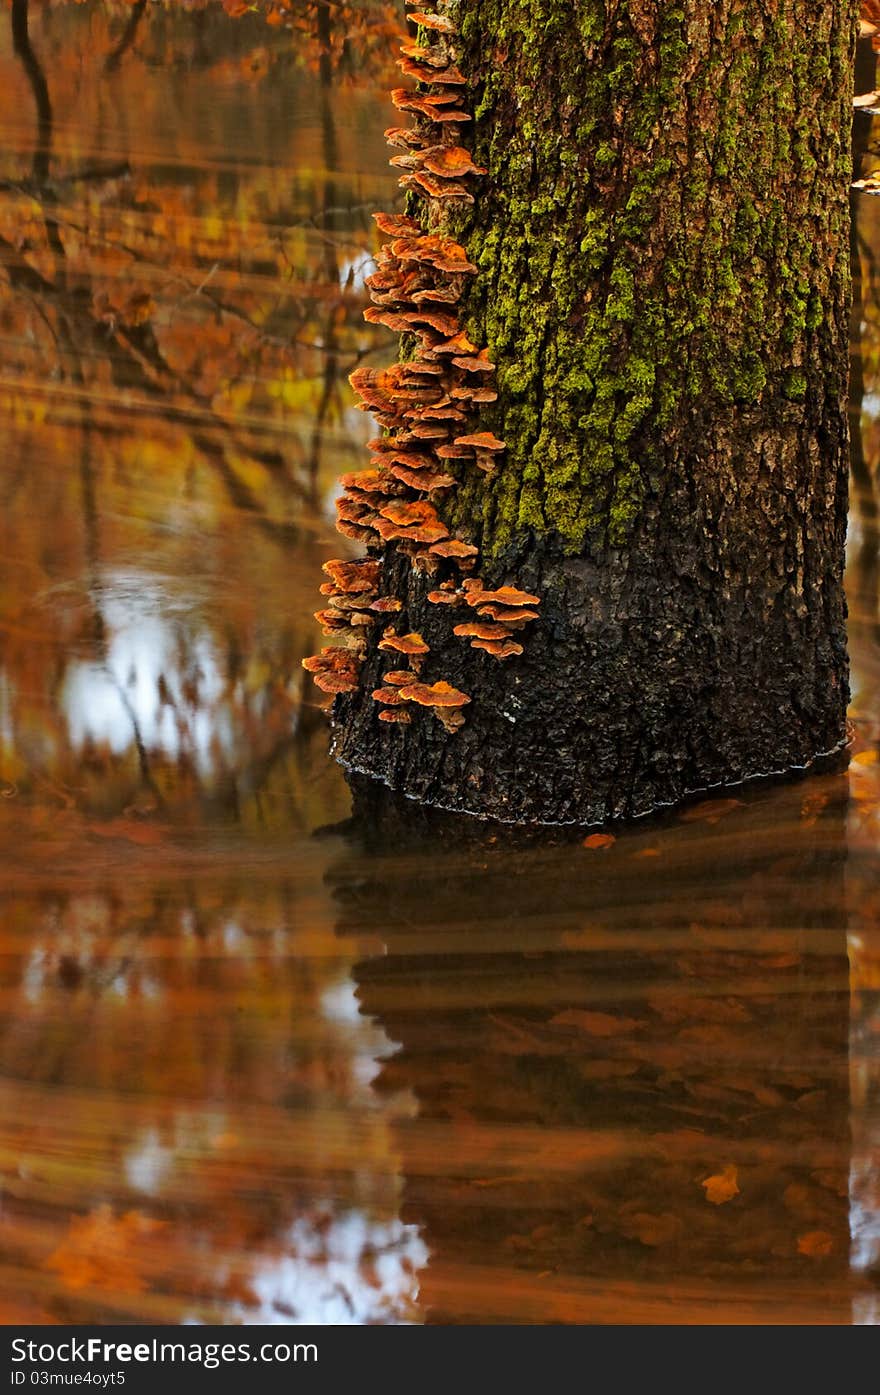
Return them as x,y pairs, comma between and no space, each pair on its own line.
335,682
436,186
451,161
397,224
384,604
403,644
456,344
434,695
391,697
444,324
410,511
353,576
454,547
427,20
356,531
442,295
505,595
487,630
452,452
499,649
423,479
435,56
509,615
478,363
481,440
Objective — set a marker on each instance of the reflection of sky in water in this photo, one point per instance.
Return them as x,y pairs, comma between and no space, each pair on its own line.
338,1262
353,271
343,1268
104,702
864,1216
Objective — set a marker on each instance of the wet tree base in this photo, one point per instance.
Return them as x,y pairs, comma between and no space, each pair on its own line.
708,653
374,799
711,651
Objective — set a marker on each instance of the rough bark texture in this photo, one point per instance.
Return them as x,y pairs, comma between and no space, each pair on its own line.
662,243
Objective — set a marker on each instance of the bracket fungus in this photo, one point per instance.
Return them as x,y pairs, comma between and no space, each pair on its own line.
389,696
399,677
412,644
444,701
335,670
427,409
498,648
485,631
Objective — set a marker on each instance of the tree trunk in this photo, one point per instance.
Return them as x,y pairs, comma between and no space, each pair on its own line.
662,251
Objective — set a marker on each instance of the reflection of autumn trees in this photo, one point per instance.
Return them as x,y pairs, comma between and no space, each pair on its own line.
630,1065
184,228
172,276
187,1126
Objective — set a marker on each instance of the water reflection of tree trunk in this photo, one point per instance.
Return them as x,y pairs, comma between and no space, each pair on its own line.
127,38
632,1082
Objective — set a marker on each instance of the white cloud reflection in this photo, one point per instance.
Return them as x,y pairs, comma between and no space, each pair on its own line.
160,675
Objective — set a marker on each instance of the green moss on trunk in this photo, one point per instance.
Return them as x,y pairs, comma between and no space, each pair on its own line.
662,235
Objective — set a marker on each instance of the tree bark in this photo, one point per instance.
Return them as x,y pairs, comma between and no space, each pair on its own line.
663,283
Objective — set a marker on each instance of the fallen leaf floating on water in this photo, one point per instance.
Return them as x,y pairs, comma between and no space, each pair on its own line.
722,1186
109,1253
815,1244
599,840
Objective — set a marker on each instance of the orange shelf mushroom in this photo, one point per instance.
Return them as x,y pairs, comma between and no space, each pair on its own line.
498,648
423,406
390,696
412,644
484,631
399,677
444,701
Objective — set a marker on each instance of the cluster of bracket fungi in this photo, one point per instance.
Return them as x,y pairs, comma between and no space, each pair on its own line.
425,406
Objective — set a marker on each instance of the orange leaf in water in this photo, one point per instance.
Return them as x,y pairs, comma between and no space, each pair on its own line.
865,758
815,1243
599,840
721,1186
107,1252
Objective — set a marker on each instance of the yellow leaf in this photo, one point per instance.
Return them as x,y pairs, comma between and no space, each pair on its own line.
721,1186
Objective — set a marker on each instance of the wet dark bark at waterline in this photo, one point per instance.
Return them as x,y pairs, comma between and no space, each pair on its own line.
643,682
661,244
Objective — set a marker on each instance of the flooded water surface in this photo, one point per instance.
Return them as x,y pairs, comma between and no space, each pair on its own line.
270,1052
